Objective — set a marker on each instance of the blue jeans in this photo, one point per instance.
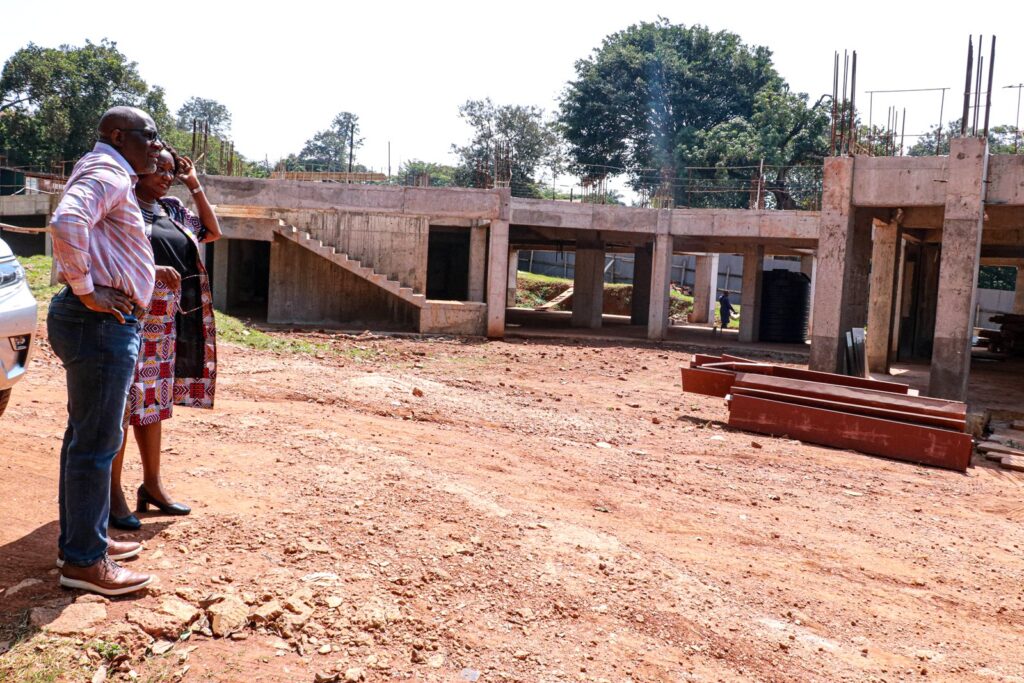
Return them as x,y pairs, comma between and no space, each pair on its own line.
99,355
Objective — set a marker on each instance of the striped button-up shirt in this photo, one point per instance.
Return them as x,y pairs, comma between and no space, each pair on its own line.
98,234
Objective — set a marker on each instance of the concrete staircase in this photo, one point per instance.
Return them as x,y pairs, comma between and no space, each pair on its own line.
308,241
435,317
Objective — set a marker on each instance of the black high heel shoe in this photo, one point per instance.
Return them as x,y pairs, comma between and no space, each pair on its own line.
128,523
143,500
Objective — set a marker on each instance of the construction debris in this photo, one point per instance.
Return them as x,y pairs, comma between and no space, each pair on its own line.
1005,445
1009,338
866,415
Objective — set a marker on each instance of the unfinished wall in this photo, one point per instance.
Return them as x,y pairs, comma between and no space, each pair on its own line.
395,246
308,289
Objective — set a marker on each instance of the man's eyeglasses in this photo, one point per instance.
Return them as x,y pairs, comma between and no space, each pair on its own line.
148,134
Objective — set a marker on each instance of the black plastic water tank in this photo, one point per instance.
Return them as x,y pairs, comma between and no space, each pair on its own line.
785,306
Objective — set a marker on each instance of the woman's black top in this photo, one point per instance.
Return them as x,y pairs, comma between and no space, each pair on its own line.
172,247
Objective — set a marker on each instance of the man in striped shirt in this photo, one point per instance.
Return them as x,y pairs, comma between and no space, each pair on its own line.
104,258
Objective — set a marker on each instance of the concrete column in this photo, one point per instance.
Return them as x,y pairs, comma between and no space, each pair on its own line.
705,288
844,247
750,297
661,279
513,272
1018,297
809,267
885,275
221,252
897,307
588,281
477,262
958,268
497,279
640,303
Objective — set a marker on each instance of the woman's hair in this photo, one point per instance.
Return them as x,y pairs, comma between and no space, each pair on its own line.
174,157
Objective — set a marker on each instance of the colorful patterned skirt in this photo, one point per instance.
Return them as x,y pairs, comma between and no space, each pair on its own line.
151,396
155,388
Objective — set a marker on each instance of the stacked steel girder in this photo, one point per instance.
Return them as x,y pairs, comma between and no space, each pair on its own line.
866,415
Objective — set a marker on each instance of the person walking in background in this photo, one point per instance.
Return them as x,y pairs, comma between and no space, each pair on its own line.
102,255
725,310
178,358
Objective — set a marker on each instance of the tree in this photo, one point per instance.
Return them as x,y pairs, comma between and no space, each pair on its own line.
330,149
781,133
415,172
510,142
212,111
51,99
657,98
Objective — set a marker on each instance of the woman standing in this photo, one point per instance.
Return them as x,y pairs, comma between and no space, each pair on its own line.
178,355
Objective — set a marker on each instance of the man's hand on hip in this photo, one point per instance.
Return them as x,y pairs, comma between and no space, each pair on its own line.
108,300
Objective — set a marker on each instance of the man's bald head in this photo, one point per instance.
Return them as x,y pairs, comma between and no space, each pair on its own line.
133,133
122,118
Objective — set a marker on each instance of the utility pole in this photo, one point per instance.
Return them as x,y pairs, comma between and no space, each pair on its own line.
1016,126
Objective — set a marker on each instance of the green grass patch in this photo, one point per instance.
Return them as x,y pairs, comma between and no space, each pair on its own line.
233,330
37,271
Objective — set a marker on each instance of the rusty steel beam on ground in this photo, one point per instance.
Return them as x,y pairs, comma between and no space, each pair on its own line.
950,423
707,382
872,435
918,405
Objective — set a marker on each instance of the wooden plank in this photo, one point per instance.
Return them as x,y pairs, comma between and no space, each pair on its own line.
872,435
857,409
922,405
996,447
1013,462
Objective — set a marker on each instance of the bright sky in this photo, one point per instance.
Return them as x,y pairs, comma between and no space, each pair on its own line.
285,69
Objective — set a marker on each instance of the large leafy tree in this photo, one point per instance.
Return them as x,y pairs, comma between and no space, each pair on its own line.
52,98
658,98
329,149
510,143
211,111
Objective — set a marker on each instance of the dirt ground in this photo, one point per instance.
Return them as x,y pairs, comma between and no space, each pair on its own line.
450,510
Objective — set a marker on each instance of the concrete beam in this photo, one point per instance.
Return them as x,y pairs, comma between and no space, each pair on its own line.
477,262
705,289
886,272
438,202
661,279
588,281
25,205
958,268
750,297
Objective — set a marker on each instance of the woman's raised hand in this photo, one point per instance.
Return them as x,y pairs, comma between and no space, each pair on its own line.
187,173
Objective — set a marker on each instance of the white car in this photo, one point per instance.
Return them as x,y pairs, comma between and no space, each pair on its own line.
17,323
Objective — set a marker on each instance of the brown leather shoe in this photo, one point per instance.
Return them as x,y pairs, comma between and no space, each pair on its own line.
116,550
105,577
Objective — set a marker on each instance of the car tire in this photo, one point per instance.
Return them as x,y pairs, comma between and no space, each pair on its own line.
5,395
